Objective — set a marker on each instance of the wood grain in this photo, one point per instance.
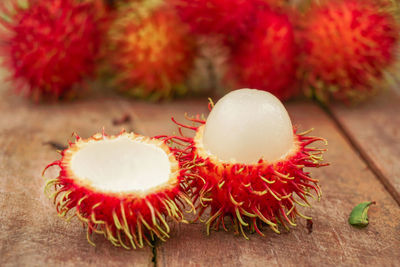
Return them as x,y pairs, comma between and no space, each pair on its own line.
155,118
31,234
347,182
374,129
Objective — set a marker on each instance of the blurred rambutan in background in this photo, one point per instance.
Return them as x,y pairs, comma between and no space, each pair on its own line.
267,58
230,18
49,46
348,46
150,51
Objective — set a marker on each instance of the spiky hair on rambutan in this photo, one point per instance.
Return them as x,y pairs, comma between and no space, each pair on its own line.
349,47
49,46
247,163
125,187
151,52
267,58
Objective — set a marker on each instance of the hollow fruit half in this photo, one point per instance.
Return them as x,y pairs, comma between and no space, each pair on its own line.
124,187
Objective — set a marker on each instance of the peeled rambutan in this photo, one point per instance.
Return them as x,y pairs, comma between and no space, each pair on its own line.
123,187
151,52
348,47
267,58
49,46
231,18
247,163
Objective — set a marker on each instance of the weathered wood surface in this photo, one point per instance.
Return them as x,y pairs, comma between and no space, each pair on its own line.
347,182
31,234
374,128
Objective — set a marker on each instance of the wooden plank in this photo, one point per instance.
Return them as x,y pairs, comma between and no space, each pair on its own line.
333,241
31,234
155,118
373,128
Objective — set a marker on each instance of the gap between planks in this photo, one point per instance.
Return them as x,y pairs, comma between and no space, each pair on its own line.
363,154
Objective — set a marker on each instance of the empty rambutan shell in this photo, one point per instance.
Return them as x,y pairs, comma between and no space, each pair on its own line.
50,46
350,48
124,187
150,51
267,58
247,163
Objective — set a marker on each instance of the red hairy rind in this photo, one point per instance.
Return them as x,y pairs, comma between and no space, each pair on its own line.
126,219
232,19
151,53
267,58
49,46
249,195
348,46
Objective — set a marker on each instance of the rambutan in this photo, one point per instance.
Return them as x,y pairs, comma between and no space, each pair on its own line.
247,163
348,47
151,52
267,58
123,187
49,46
231,18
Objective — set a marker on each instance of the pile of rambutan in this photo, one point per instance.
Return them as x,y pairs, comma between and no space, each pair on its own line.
331,49
52,47
260,36
150,51
338,48
49,46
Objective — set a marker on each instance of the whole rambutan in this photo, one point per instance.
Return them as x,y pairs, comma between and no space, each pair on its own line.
123,187
49,46
348,47
230,18
267,58
247,163
151,52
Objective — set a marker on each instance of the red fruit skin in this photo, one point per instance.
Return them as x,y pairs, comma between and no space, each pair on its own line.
248,195
230,18
125,219
347,46
50,46
267,58
151,55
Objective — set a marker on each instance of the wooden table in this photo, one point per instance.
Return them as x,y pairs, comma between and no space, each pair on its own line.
364,152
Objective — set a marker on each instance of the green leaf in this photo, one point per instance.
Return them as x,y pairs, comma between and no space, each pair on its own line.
359,214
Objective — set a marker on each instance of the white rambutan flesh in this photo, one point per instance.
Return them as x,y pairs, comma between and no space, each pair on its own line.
247,125
121,165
